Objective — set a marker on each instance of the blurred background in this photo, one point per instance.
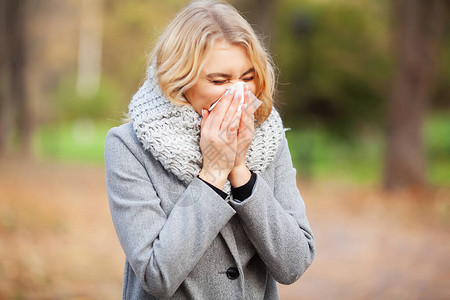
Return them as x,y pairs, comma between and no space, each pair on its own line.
363,85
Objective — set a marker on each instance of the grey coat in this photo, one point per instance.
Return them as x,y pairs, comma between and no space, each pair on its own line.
186,242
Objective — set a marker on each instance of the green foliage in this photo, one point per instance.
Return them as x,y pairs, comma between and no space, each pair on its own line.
78,141
70,106
437,141
334,62
319,154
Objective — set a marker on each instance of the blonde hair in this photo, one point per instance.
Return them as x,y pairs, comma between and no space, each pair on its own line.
181,50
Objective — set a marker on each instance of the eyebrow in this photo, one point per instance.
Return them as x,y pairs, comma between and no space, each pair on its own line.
213,75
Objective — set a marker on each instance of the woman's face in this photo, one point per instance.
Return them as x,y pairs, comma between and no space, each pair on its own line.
225,65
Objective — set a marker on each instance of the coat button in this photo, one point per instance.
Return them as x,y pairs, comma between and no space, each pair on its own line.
232,273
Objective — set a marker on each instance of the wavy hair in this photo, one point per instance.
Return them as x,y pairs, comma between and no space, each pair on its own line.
181,49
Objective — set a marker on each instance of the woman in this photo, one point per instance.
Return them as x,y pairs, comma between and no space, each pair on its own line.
205,203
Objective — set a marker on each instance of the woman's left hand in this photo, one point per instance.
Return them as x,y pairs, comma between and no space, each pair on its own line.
246,130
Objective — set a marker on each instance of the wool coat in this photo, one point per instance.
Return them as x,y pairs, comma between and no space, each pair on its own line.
184,241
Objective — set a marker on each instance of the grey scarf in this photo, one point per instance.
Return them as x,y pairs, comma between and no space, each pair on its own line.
171,133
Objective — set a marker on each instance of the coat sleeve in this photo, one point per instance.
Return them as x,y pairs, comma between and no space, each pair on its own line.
275,221
161,249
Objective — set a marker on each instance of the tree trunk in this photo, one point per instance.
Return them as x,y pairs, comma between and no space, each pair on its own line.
3,79
90,48
15,112
418,28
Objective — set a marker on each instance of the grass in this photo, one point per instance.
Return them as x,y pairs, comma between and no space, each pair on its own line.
437,141
81,141
315,153
318,155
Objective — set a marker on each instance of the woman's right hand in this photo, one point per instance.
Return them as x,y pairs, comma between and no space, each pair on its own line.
218,139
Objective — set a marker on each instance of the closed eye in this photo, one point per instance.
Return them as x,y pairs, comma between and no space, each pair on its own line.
218,81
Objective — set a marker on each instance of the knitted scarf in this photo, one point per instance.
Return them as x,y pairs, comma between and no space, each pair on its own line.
171,133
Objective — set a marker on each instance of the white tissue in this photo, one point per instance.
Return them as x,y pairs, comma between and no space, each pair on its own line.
240,92
239,86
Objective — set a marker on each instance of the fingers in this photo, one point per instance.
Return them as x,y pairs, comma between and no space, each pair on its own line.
248,117
205,114
218,113
226,113
233,125
231,114
249,104
246,123
215,111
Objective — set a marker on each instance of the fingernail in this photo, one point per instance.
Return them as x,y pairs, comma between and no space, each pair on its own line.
239,109
226,92
245,106
236,95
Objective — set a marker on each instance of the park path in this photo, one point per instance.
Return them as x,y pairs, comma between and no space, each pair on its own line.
57,240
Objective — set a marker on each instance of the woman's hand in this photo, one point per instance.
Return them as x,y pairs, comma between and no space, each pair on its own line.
240,174
246,130
218,139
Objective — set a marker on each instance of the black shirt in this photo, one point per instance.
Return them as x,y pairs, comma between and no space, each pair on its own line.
240,193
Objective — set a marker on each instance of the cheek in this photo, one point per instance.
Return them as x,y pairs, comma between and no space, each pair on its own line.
252,87
206,95
211,94
215,92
